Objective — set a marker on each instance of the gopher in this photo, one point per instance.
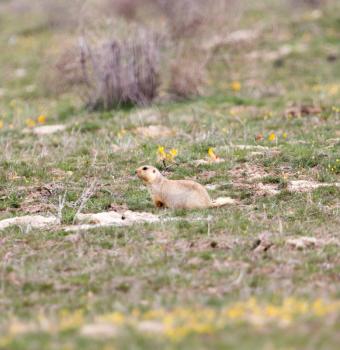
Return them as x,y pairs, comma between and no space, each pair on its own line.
177,194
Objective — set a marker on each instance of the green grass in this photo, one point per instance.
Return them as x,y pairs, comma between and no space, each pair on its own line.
205,259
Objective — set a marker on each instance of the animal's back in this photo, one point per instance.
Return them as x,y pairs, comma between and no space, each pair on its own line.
184,194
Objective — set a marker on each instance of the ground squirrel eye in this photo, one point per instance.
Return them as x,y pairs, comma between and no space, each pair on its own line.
145,168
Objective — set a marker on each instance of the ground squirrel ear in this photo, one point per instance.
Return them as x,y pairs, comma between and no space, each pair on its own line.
154,170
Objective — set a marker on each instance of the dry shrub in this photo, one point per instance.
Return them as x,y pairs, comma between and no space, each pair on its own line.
116,72
68,71
187,77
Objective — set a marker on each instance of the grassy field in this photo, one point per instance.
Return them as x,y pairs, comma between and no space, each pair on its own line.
236,277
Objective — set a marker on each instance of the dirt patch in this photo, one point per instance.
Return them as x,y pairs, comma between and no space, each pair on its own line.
306,242
248,172
154,131
244,111
37,200
263,243
59,173
303,110
200,245
146,116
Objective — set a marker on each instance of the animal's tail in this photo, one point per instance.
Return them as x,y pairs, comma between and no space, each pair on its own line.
221,202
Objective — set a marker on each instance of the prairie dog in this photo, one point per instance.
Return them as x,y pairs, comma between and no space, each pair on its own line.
175,194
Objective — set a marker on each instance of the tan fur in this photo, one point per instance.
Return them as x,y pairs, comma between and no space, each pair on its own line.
175,194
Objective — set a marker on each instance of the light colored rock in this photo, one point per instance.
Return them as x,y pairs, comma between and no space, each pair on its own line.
212,187
270,189
154,131
244,35
151,327
221,201
111,218
48,129
31,221
99,330
306,186
20,72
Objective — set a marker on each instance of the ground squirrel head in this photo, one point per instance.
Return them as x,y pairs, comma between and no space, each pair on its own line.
148,174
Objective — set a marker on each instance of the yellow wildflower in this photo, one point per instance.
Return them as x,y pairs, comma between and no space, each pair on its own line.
235,312
41,119
13,103
121,133
71,320
116,318
161,153
1,124
272,137
212,154
320,308
30,123
284,135
5,341
171,155
333,89
235,86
